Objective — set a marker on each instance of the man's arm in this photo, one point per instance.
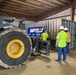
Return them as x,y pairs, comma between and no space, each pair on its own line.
57,40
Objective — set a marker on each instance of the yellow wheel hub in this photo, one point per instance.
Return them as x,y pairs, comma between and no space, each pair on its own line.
15,48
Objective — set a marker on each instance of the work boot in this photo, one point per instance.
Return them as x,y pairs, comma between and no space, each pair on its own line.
57,61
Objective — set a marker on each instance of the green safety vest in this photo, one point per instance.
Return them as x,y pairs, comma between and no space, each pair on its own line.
44,36
62,39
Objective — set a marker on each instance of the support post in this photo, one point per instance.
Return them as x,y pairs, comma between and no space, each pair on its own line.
72,13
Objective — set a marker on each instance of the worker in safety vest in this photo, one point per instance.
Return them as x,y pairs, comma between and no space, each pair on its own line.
61,42
44,41
44,35
68,40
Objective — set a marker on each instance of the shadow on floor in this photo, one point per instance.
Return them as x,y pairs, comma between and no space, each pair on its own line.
12,71
66,68
41,57
65,64
53,51
72,54
44,58
2,68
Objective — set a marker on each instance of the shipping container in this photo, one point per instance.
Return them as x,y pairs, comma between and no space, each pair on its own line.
72,29
52,27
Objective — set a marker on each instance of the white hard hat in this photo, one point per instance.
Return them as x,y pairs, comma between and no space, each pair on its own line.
65,28
61,27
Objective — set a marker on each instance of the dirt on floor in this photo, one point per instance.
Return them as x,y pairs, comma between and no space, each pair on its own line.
45,65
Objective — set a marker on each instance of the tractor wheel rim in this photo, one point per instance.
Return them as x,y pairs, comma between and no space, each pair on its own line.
15,48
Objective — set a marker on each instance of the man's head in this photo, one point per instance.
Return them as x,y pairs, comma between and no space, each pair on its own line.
44,30
61,28
66,29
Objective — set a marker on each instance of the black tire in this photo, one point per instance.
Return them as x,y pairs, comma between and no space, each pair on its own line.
5,37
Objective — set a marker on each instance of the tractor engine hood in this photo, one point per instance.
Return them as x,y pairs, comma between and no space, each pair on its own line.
5,24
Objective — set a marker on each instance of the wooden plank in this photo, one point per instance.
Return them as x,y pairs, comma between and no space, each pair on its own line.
58,2
39,3
19,11
46,2
15,5
52,1
23,12
18,15
66,1
55,3
14,11
20,8
28,4
62,1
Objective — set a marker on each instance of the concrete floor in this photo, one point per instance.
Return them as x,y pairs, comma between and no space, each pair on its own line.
43,65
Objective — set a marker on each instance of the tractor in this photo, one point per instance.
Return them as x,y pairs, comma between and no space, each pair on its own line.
15,44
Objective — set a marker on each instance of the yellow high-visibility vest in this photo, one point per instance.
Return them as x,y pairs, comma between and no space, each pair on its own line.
44,36
62,39
69,38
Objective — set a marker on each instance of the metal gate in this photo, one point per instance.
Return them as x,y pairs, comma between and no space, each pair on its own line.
72,29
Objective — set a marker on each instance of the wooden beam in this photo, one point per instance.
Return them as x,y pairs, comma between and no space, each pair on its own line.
14,11
56,3
33,12
17,4
59,2
46,2
54,11
6,3
57,17
39,3
66,1
28,4
72,13
18,15
62,1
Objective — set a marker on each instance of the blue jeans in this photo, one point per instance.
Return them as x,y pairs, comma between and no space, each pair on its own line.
67,48
60,52
47,44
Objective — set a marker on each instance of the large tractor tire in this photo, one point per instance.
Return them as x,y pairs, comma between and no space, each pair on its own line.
15,47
